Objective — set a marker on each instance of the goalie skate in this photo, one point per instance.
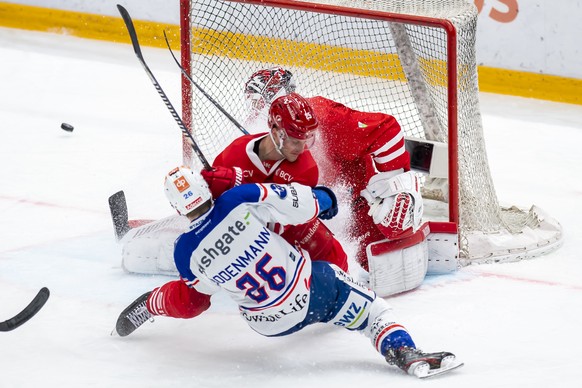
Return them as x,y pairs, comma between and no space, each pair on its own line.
422,365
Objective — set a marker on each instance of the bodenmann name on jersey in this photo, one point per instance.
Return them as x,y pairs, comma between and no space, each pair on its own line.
240,263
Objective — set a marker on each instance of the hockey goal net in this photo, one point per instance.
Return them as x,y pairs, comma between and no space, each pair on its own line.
412,59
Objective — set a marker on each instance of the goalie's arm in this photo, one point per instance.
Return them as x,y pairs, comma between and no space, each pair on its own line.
373,135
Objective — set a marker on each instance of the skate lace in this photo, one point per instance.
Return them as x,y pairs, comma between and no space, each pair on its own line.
139,314
401,357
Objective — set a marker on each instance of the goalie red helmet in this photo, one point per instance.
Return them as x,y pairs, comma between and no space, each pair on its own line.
186,190
270,84
294,115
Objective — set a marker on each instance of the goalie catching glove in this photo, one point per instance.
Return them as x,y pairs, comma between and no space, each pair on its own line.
395,202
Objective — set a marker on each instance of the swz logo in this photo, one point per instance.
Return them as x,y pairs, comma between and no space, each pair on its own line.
351,315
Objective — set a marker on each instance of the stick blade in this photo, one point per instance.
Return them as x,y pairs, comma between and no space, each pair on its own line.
29,311
130,29
119,214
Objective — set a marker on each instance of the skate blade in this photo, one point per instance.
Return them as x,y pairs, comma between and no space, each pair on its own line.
423,370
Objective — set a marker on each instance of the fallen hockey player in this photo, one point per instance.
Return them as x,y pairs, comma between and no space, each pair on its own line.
278,289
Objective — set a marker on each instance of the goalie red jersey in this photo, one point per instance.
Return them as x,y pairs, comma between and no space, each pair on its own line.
352,147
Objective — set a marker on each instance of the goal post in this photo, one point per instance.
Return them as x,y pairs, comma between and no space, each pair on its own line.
413,59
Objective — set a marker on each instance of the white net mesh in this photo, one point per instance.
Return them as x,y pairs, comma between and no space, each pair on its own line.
389,65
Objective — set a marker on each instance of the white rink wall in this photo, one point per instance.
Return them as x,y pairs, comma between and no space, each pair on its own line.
540,36
537,36
165,11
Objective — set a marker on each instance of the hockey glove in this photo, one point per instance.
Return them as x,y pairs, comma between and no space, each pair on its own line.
220,179
327,202
395,202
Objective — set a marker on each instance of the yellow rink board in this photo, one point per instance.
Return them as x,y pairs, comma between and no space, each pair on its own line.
493,80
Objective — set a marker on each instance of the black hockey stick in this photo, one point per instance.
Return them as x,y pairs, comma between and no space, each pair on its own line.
29,311
208,96
138,53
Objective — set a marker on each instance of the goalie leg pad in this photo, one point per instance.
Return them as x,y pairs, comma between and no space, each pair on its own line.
149,249
400,265
175,299
443,248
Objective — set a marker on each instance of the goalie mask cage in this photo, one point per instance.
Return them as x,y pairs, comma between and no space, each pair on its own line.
413,59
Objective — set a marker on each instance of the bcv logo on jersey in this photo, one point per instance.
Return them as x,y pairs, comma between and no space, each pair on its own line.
283,174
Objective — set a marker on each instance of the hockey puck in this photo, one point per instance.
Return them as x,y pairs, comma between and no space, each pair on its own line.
67,127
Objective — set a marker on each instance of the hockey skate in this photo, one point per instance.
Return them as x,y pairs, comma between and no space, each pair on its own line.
135,315
422,365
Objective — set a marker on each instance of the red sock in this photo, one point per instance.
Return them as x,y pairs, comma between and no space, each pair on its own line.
175,299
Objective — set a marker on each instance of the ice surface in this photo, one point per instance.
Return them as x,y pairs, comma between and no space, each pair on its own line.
514,325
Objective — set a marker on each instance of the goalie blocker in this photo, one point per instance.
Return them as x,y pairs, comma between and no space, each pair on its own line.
398,265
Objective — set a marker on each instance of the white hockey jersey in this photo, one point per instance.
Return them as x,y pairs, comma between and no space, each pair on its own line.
230,248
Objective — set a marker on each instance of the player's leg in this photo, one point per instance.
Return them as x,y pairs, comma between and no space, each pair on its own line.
174,299
337,299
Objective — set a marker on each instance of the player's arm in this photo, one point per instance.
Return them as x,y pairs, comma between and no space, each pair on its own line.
384,141
307,173
355,135
393,193
290,204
